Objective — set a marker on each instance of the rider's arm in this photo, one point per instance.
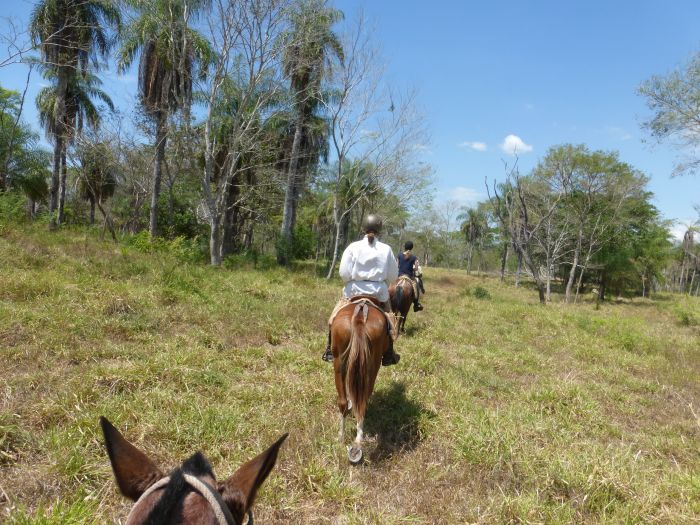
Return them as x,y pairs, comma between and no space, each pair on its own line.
417,271
392,268
346,264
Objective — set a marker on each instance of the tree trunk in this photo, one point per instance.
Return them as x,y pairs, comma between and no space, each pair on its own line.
535,275
519,270
335,253
55,178
92,211
62,188
290,196
171,200
481,255
603,284
232,220
215,241
572,278
107,222
504,261
60,140
161,138
469,258
248,237
574,265
692,280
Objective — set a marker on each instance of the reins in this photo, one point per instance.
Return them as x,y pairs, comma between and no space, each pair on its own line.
221,511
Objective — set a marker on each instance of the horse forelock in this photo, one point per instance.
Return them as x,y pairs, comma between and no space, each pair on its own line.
197,465
172,499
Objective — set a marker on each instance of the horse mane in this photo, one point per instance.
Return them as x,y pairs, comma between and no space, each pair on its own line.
170,503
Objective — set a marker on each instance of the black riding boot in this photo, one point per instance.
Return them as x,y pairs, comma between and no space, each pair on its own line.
417,307
390,357
328,354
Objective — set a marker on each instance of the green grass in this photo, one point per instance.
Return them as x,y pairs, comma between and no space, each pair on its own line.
500,410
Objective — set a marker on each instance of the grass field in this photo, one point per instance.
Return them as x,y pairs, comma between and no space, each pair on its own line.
501,411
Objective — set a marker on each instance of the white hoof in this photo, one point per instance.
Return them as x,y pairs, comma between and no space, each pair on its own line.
354,454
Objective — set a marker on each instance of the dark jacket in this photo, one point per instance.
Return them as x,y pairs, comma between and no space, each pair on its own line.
406,265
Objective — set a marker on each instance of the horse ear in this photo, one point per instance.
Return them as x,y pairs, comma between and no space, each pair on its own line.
238,491
132,468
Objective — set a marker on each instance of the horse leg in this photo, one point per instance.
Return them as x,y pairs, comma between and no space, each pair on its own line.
355,451
342,399
360,432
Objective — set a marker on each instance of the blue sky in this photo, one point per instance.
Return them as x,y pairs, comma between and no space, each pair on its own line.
546,72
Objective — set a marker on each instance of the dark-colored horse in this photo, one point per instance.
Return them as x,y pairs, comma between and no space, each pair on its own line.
401,294
189,495
359,337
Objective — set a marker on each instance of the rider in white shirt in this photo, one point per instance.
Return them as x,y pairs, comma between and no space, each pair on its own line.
367,267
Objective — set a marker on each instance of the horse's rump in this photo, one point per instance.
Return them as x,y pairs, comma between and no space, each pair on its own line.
359,338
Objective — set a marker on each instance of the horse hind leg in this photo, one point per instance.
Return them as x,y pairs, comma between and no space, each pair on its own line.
355,451
344,403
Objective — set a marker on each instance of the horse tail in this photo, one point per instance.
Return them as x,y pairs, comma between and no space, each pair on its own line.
397,299
357,374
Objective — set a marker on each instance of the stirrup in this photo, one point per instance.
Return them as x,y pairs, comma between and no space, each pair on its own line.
327,356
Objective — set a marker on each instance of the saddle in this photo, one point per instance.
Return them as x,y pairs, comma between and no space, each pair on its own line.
374,303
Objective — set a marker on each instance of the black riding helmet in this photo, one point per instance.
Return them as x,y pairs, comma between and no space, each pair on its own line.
372,223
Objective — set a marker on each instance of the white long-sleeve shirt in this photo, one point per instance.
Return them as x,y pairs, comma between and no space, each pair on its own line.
367,269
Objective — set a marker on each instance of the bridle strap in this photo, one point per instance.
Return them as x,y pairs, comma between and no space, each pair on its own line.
221,510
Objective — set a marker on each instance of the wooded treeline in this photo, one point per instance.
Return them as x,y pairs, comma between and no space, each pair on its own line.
272,127
267,127
580,221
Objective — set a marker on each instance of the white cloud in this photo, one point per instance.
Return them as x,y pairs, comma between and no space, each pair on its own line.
462,195
618,132
514,145
680,227
475,145
423,148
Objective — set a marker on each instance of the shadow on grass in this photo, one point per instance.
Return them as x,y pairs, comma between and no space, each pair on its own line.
394,420
410,330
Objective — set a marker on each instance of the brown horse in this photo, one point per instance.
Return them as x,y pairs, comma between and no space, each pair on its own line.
190,495
401,294
359,337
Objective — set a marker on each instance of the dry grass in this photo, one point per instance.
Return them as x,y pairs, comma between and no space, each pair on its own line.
500,410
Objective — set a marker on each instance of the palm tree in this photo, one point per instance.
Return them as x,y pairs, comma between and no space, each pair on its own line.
474,227
71,36
79,111
170,54
312,44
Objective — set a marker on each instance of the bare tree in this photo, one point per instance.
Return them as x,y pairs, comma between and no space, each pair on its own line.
16,42
373,134
245,36
515,208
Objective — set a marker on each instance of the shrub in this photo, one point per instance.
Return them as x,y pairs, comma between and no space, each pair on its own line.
481,293
686,318
187,250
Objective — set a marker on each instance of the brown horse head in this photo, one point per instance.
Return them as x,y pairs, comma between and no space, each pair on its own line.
359,337
190,494
401,294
